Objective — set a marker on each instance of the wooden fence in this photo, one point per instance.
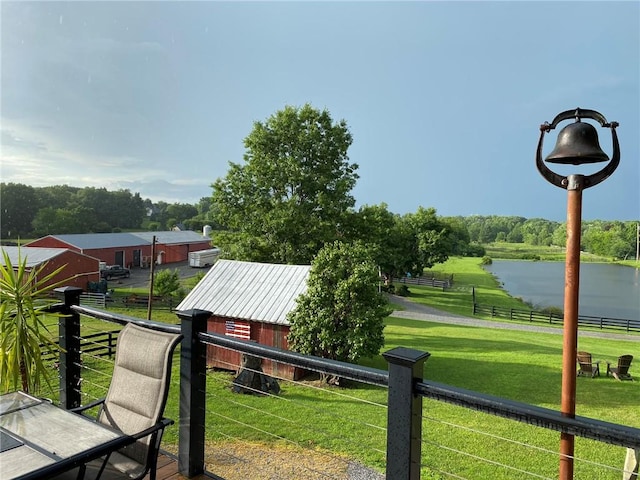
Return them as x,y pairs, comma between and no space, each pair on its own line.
425,281
555,318
101,344
101,300
97,300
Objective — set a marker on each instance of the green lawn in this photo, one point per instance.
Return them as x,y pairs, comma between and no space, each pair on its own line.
522,366
517,365
469,278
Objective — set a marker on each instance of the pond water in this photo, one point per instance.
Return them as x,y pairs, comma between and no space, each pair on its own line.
606,290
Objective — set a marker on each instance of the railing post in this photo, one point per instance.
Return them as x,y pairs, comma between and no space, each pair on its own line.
404,417
69,334
193,364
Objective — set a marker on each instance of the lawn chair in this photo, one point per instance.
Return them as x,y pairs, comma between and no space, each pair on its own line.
134,404
621,371
586,367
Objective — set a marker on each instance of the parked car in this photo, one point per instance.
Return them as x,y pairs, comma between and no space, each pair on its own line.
115,271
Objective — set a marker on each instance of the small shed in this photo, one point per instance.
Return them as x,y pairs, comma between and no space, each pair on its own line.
250,301
80,269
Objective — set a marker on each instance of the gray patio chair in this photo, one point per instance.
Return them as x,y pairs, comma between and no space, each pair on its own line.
134,404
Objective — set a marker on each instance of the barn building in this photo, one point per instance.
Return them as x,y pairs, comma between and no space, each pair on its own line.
250,301
79,270
130,249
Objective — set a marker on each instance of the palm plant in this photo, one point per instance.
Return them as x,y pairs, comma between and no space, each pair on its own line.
23,334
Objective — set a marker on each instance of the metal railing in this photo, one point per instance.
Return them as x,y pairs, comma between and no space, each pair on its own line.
406,389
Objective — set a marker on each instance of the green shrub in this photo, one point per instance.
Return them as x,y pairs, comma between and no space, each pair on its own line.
403,291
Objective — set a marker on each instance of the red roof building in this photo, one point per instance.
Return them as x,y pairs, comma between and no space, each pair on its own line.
130,249
78,271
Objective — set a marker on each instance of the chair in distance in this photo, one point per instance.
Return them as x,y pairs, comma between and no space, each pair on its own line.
134,404
586,367
621,370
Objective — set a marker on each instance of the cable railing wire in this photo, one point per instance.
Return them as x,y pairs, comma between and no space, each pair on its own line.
314,409
303,428
516,442
247,461
308,407
267,433
485,460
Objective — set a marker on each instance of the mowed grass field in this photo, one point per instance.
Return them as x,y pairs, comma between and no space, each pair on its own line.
516,365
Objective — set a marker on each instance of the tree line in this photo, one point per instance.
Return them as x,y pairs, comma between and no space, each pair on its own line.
609,238
31,212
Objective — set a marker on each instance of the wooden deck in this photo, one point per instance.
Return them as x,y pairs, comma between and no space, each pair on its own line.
168,470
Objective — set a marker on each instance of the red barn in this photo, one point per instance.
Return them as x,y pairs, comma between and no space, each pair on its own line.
250,301
130,249
80,269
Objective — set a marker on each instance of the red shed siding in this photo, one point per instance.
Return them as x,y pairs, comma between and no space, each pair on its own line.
52,242
264,333
109,255
84,269
172,253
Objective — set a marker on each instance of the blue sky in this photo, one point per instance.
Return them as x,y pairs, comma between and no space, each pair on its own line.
444,99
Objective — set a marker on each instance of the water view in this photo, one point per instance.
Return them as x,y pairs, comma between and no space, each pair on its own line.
606,290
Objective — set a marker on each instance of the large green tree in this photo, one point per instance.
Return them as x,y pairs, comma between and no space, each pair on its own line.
341,314
18,207
292,194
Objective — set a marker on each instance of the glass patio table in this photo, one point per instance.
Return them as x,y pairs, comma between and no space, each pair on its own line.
39,439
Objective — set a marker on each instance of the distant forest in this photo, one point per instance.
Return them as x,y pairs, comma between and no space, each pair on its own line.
33,212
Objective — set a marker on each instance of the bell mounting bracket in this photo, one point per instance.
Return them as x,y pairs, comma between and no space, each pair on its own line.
589,180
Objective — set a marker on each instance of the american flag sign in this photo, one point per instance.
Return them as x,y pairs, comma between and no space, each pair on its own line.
233,328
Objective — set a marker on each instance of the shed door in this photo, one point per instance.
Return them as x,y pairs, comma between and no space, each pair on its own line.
120,258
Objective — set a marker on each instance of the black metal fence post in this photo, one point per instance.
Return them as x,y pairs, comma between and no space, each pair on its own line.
193,364
69,333
404,423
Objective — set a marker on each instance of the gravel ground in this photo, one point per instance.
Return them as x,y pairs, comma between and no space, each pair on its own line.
241,461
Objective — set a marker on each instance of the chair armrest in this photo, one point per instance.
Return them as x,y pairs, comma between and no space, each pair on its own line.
160,425
88,406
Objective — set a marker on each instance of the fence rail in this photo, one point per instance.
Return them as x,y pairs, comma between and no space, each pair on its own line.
98,300
101,344
425,281
556,319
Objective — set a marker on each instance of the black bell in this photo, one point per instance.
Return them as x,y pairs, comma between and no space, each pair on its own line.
577,144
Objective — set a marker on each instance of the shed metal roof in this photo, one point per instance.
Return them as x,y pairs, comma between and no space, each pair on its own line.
89,241
261,292
33,255
169,237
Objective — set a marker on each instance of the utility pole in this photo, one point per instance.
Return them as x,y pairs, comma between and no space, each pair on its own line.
151,273
638,242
